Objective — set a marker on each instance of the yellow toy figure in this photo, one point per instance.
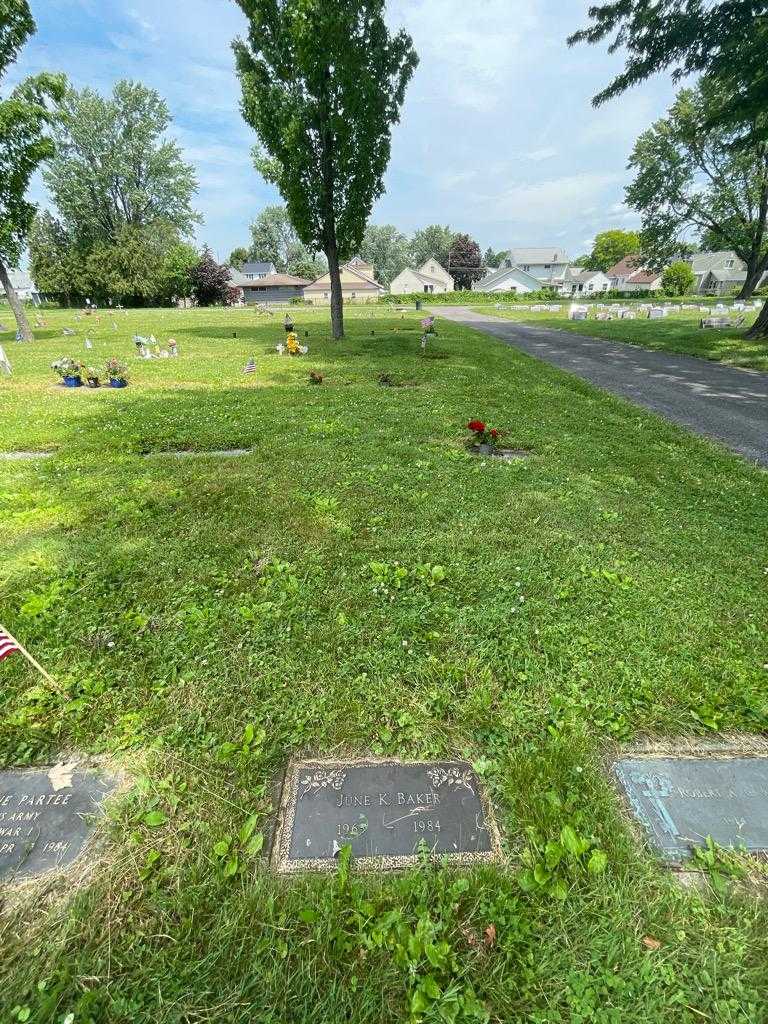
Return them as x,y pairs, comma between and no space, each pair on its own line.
292,344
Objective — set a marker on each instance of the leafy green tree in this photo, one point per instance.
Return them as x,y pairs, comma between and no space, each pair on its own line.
308,267
238,256
51,257
26,119
493,260
387,249
322,85
690,176
726,41
210,280
433,240
274,239
609,247
465,262
678,278
114,167
176,271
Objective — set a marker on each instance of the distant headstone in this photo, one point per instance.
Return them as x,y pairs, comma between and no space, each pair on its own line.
45,817
385,810
680,801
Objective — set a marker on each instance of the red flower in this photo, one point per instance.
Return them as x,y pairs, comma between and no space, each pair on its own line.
477,425
494,433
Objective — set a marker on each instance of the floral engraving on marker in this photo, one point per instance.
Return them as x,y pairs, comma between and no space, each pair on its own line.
451,777
314,781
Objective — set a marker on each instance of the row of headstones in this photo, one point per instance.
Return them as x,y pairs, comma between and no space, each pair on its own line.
387,810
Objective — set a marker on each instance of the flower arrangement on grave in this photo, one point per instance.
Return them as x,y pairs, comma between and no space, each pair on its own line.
93,376
292,344
482,434
427,329
70,371
117,373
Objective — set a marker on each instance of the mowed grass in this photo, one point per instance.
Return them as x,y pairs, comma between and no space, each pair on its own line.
677,332
209,618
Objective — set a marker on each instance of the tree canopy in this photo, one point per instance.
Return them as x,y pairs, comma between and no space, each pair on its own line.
433,240
689,176
27,116
609,247
274,239
387,249
210,280
322,85
114,167
678,278
465,262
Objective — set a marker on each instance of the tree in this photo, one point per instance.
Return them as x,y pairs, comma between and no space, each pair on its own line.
175,278
51,257
609,247
690,176
465,262
322,85
387,249
26,118
210,280
433,240
274,239
238,256
308,267
114,168
678,278
493,260
726,41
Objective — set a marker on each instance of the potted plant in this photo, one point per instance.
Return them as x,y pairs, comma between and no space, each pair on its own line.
70,371
117,373
92,377
292,344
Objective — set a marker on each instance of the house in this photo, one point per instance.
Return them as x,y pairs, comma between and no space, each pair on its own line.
629,275
585,282
545,264
272,287
358,284
256,271
508,278
717,273
24,286
431,278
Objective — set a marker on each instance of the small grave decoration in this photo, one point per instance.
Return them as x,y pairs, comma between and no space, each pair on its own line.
481,434
117,373
427,329
70,371
315,377
292,343
93,377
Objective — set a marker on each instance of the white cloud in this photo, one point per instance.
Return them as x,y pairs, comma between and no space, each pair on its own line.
545,153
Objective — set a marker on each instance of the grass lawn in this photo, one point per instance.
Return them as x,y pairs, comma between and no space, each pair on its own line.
208,618
678,332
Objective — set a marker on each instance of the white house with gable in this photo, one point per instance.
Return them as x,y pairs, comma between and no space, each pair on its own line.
546,264
431,278
507,279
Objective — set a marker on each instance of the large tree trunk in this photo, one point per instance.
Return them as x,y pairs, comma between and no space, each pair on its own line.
337,303
15,304
759,328
752,280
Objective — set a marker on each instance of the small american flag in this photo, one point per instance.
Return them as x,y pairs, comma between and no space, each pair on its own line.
250,367
7,644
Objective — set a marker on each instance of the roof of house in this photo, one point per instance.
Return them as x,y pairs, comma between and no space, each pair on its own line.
276,281
585,275
644,277
626,267
257,267
701,262
737,276
366,283
498,275
535,256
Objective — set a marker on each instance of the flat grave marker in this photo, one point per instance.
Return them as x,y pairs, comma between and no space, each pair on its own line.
45,817
384,809
680,801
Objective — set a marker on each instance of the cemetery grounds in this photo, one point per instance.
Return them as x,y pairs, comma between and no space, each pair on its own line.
360,584
679,331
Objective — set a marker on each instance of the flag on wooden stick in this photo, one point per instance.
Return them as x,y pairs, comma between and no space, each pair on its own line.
10,645
250,367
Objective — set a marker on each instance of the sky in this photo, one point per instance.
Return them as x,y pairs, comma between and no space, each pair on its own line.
497,135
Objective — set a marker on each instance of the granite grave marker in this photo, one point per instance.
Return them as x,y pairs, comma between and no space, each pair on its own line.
46,817
384,809
680,801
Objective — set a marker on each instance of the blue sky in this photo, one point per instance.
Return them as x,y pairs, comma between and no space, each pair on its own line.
497,136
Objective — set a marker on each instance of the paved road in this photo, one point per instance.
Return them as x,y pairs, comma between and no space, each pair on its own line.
721,402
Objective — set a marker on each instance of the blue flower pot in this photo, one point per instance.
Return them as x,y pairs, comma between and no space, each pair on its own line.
114,383
73,382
